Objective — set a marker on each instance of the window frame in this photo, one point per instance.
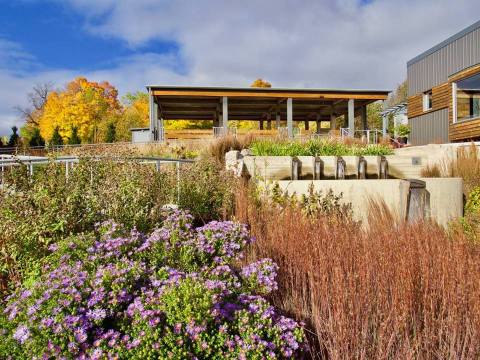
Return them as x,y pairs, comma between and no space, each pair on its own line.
427,99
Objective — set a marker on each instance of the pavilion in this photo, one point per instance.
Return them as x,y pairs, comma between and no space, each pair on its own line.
263,105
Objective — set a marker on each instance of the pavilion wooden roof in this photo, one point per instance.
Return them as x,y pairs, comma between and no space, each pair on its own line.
204,103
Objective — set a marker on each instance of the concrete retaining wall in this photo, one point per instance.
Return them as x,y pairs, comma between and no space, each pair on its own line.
444,198
358,192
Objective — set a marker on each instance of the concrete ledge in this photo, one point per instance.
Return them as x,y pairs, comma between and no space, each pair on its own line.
269,167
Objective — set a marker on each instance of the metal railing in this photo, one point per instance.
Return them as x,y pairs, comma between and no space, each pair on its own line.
368,136
9,161
219,131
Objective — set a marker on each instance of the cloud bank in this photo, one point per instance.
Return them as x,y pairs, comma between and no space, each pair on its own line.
308,43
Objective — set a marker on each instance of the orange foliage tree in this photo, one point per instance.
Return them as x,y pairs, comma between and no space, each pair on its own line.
88,106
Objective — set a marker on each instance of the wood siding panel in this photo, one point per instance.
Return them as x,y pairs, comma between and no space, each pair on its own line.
466,130
440,100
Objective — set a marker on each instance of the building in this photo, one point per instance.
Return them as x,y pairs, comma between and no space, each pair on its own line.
271,108
444,90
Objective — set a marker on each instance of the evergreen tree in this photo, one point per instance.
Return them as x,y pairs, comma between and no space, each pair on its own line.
56,137
111,135
74,139
36,139
14,138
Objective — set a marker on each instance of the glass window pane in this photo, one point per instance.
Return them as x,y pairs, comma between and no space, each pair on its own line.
468,98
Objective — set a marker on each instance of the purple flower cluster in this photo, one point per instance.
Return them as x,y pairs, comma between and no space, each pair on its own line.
171,294
261,275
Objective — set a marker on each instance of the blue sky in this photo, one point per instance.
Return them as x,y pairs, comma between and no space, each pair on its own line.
297,43
54,34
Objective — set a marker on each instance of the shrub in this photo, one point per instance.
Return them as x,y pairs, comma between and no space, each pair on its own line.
38,211
206,190
171,294
315,147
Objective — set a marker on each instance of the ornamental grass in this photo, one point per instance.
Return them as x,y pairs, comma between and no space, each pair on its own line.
392,291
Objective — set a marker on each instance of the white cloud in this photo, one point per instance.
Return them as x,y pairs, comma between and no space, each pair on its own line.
323,43
314,43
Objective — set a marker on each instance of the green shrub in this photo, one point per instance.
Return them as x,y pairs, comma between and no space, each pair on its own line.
315,147
36,212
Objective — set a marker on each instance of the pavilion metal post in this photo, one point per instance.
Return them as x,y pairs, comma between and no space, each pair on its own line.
384,121
363,114
269,122
351,117
384,125
153,115
225,114
333,119
277,118
290,117
317,121
261,124
307,124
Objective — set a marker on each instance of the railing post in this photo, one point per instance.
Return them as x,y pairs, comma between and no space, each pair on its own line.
178,182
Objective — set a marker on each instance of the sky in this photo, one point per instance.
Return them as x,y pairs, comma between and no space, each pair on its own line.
362,44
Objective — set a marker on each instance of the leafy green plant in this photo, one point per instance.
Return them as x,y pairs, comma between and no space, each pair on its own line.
315,147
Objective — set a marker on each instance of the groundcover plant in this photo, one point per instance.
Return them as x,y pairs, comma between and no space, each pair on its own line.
174,293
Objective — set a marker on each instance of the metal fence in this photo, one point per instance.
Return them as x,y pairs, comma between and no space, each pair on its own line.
9,161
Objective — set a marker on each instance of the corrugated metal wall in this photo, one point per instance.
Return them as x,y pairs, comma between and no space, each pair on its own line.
429,128
435,69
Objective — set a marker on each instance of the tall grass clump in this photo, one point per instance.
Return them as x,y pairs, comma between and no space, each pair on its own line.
222,145
315,147
390,291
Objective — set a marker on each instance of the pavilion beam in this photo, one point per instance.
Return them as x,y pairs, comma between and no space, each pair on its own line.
290,117
351,117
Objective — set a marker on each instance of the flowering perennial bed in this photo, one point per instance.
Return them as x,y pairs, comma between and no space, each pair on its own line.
171,294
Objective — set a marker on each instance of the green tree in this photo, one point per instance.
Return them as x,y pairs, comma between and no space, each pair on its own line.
111,135
56,137
36,138
14,138
74,139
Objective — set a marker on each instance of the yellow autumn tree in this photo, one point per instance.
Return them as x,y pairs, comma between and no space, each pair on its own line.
135,114
88,106
260,83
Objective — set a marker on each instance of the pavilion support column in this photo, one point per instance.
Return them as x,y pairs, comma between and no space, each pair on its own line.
307,125
225,113
317,121
290,117
215,119
384,125
351,117
261,124
277,119
333,119
269,122
153,114
363,115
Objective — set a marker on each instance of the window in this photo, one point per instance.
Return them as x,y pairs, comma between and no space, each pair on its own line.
467,98
427,100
